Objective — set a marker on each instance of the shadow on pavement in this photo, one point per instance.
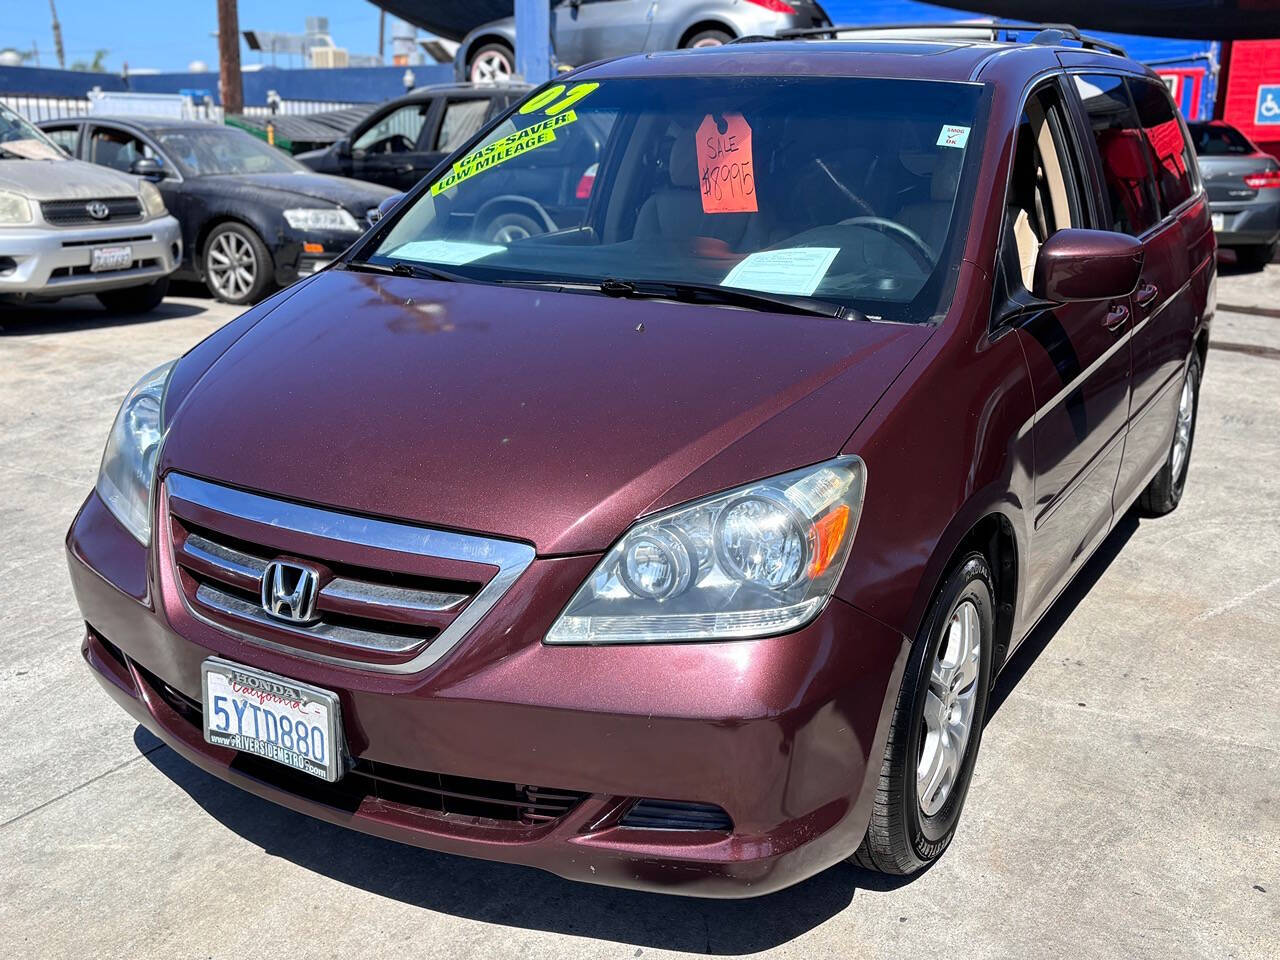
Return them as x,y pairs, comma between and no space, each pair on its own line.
531,899
50,318
515,896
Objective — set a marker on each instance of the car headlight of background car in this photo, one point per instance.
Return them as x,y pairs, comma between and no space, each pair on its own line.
312,219
152,201
14,209
756,560
128,469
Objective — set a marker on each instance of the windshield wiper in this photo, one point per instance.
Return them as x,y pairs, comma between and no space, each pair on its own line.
701,293
403,268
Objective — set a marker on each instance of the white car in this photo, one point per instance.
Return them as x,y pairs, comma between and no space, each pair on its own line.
68,227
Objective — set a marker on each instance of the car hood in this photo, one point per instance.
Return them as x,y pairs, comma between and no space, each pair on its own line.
549,417
356,195
64,180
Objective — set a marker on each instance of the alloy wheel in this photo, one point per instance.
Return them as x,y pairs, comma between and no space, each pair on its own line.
231,265
492,66
949,708
1182,430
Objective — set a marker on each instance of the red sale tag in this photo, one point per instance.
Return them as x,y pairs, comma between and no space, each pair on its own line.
725,171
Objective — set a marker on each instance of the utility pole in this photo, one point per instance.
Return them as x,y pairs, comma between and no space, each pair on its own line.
231,84
382,32
57,37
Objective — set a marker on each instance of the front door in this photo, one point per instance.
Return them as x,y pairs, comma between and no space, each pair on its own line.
1077,355
389,149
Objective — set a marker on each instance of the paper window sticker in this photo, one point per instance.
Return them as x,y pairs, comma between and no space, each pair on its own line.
451,252
797,271
953,136
726,174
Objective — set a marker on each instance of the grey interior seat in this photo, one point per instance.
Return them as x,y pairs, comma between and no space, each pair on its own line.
930,218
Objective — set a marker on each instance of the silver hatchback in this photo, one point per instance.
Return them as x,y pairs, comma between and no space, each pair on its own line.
587,30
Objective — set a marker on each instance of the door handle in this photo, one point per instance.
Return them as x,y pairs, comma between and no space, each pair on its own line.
1116,317
1146,294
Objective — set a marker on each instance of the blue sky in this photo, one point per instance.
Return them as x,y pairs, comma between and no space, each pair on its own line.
169,34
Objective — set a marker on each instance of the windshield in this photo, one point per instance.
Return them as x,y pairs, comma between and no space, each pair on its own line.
1216,140
839,189
19,140
217,150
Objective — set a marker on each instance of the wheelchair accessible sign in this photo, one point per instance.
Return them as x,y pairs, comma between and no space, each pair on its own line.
1268,104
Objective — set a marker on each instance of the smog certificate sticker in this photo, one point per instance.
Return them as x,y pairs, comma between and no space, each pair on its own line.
798,270
952,135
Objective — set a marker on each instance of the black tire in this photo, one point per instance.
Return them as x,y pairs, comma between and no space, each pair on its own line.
237,240
510,227
1255,257
492,63
142,299
1164,492
902,838
708,38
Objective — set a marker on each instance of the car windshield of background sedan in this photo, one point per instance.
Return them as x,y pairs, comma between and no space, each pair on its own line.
1219,140
837,190
19,140
200,153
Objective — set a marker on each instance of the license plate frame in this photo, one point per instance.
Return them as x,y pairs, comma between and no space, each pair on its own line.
263,693
108,259
1219,221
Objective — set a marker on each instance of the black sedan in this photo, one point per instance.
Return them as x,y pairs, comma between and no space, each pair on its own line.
252,218
1243,184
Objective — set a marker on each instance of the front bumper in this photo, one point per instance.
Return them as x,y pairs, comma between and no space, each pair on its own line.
1248,223
785,734
54,261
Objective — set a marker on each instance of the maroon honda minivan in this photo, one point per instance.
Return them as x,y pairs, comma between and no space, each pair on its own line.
673,542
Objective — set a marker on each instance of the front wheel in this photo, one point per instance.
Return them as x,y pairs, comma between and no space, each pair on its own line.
708,38
237,264
936,727
142,299
507,228
1164,492
492,63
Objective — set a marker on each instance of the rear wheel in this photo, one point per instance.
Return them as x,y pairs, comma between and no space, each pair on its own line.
1164,492
237,264
492,63
1255,257
510,227
708,38
936,727
142,299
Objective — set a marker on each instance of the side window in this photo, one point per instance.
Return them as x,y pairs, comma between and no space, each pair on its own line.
1169,152
117,149
1044,192
1123,150
65,137
397,132
462,119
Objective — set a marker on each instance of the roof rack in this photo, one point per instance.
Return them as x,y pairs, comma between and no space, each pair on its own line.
1046,34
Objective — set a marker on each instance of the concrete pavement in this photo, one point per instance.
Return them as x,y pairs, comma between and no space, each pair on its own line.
1126,802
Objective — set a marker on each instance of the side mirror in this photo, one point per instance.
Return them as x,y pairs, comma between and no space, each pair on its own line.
343,147
1086,265
149,169
387,205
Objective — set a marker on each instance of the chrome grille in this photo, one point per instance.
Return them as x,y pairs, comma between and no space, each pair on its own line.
75,213
401,616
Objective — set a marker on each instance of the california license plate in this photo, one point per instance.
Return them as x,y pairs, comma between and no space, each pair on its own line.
110,258
1219,221
274,717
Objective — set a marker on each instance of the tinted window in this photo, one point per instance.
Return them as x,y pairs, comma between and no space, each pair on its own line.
1218,140
202,151
462,119
397,132
843,189
117,149
1123,149
65,137
1170,154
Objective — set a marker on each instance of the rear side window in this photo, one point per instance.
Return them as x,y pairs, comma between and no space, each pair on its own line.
462,119
1170,154
1123,148
1219,140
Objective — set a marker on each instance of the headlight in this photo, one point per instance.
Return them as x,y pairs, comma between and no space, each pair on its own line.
152,202
757,560
14,209
309,219
129,461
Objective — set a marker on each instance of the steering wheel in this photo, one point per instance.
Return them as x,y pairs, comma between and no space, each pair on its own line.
920,251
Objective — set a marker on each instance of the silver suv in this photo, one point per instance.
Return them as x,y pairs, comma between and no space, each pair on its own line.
587,30
68,227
